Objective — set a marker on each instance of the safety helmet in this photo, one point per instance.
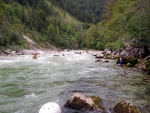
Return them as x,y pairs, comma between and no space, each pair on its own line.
50,107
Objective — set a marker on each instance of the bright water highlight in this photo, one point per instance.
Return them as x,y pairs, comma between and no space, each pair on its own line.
26,84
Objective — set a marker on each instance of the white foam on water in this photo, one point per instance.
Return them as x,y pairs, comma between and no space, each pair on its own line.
30,96
76,57
84,72
53,63
7,61
26,57
68,59
22,111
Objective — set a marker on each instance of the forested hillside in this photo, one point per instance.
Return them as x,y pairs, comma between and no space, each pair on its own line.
125,21
84,10
39,20
99,24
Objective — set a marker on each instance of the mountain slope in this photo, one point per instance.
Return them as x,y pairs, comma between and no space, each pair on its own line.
84,10
47,24
126,21
39,20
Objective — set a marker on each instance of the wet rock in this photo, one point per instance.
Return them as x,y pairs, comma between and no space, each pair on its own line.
129,64
117,55
113,55
125,107
102,60
19,53
132,51
13,53
144,65
56,55
99,56
108,52
97,60
7,52
78,52
81,102
27,52
132,60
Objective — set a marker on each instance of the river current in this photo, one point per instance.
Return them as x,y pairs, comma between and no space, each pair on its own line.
26,84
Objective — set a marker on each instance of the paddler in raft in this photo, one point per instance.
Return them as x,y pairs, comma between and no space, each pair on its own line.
121,62
35,55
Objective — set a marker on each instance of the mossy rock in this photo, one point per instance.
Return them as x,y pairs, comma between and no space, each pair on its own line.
133,61
97,102
118,60
129,65
125,107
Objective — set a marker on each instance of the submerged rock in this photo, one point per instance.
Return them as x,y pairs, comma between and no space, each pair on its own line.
81,102
125,107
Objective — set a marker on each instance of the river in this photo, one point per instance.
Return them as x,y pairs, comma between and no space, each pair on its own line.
26,84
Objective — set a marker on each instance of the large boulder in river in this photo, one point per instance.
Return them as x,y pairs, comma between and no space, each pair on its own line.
81,102
125,107
131,54
132,51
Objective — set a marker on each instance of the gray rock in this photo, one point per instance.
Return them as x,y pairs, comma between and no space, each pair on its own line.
81,102
131,51
125,107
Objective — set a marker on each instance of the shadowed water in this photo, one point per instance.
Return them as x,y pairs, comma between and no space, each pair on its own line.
26,84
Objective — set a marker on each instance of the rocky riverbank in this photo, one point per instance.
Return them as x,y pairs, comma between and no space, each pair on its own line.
132,57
